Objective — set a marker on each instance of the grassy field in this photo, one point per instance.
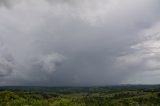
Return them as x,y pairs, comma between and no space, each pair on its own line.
81,96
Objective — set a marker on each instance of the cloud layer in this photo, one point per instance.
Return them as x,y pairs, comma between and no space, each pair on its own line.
71,42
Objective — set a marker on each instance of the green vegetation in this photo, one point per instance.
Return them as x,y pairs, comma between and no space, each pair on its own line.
91,96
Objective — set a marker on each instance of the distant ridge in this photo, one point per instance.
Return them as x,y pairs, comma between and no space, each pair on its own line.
88,88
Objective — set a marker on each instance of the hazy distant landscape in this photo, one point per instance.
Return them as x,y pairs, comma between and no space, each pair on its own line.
125,95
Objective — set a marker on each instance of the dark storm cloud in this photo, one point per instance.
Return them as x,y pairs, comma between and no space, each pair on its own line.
69,42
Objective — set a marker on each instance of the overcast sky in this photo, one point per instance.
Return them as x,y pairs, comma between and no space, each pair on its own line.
79,42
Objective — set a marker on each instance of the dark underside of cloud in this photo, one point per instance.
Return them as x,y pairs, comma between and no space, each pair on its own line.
77,43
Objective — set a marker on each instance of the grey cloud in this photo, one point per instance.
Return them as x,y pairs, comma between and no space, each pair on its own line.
44,66
6,62
4,2
8,3
74,42
144,57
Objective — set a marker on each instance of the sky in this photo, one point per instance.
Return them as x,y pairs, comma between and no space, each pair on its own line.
79,42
